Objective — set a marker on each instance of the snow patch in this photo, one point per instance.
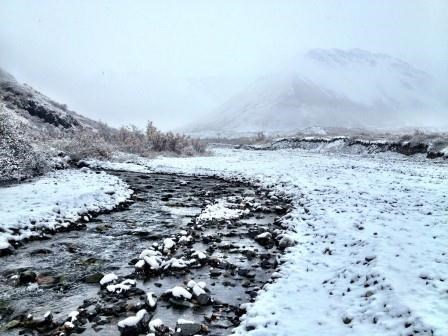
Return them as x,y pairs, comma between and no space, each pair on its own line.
219,211
54,201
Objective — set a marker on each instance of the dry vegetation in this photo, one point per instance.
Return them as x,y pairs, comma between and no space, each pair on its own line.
25,151
257,139
18,158
100,143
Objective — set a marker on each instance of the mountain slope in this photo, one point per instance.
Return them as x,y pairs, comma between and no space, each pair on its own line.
35,131
330,88
37,110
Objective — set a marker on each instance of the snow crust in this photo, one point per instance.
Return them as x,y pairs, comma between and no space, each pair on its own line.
56,200
372,235
219,211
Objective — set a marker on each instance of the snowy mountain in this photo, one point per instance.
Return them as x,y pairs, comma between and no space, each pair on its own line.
330,88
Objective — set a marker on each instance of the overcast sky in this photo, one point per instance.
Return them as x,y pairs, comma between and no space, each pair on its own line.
171,61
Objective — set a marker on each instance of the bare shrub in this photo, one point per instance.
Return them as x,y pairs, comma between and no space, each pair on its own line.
133,140
260,137
130,139
106,132
18,158
100,142
256,139
84,144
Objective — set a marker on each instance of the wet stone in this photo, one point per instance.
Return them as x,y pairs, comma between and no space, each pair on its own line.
203,299
48,279
93,278
187,328
41,252
27,277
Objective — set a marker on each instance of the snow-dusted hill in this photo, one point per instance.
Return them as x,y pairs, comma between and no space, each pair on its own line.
353,88
36,110
34,130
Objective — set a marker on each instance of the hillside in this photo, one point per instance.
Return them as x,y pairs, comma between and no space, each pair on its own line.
38,134
331,88
36,110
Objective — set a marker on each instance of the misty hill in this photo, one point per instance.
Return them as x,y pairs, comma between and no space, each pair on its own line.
37,110
38,134
330,88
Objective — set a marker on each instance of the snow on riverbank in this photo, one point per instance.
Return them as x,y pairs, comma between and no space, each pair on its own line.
55,200
373,240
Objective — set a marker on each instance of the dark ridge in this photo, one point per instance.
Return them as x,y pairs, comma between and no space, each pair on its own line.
16,97
431,150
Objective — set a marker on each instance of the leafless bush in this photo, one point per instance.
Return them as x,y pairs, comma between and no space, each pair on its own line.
172,142
256,139
25,151
133,140
198,146
18,158
84,144
106,132
102,141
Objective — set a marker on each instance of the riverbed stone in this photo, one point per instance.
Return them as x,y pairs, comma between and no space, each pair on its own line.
187,328
93,278
27,277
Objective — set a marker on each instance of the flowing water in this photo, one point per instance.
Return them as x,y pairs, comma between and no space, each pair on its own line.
67,264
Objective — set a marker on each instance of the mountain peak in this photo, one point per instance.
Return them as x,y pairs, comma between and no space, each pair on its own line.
329,87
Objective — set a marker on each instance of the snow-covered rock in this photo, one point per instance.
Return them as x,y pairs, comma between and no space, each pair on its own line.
153,262
180,293
219,211
199,254
155,324
168,245
108,278
134,324
122,286
151,299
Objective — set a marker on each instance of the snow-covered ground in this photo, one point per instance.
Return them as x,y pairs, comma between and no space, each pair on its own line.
372,257
56,200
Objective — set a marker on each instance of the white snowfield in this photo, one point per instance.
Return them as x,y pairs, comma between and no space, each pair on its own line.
372,257
55,200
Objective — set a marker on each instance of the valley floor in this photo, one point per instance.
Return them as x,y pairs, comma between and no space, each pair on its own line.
372,232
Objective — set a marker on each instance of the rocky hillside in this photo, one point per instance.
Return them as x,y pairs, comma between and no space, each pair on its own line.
37,110
36,133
